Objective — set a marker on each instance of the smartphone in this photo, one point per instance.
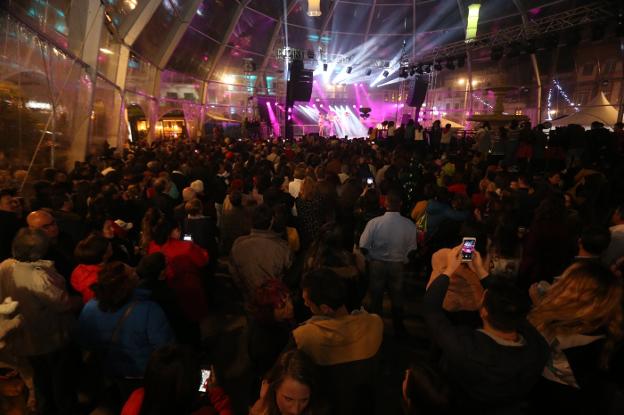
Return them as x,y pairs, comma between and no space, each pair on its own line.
205,375
188,237
468,247
370,181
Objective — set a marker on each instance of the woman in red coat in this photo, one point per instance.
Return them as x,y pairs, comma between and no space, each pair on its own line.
185,261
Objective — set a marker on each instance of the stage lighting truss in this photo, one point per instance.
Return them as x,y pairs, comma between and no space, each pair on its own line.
587,14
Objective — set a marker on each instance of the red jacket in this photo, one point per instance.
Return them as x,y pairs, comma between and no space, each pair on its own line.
183,273
218,399
82,278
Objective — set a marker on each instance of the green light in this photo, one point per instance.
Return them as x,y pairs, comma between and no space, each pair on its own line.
473,21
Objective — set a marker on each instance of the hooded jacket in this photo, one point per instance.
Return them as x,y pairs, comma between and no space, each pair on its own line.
331,341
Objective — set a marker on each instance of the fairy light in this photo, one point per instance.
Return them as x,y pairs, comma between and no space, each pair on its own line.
565,96
549,104
481,100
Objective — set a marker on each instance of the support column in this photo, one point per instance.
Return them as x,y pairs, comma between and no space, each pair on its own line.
86,19
621,108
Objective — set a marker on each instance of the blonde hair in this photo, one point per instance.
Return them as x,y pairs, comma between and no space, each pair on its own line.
587,298
309,189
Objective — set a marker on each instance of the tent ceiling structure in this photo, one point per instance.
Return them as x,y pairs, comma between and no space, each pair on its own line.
221,36
598,109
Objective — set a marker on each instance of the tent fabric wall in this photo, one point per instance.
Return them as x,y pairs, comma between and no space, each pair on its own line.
599,109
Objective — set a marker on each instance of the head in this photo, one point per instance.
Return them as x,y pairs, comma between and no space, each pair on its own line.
587,298
618,216
594,240
188,194
194,207
114,287
554,178
393,202
324,292
425,391
272,303
8,202
40,219
171,381
151,267
94,249
30,245
309,188
504,307
236,198
160,185
262,217
293,385
198,186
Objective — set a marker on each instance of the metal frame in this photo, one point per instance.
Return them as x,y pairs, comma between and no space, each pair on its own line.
589,13
372,16
175,35
135,22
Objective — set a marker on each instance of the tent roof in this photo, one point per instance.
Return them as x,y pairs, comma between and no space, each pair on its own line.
599,109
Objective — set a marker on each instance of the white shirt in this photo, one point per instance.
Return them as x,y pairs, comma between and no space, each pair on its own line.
616,246
389,238
294,187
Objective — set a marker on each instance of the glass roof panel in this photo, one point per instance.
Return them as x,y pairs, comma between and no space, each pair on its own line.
150,42
253,32
392,20
213,17
273,8
194,54
299,15
350,18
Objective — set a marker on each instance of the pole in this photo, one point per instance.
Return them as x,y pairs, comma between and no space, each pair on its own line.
621,108
539,87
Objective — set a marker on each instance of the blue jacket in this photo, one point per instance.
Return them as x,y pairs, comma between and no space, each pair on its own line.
145,329
437,212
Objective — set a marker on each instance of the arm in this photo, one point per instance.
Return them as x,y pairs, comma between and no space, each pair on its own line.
220,400
438,324
366,239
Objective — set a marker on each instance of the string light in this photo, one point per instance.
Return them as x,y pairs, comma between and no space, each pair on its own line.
483,101
565,96
549,104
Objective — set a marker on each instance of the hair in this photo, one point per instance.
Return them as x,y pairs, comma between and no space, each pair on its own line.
171,381
236,198
324,286
309,188
427,391
507,306
596,239
151,266
91,250
194,207
298,366
266,298
261,217
30,245
300,171
114,286
161,230
160,185
394,200
550,208
587,298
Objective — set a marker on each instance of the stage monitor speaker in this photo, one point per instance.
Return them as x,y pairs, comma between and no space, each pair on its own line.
299,88
417,93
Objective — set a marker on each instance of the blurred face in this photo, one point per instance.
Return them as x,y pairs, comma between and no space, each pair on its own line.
285,311
292,397
108,231
9,204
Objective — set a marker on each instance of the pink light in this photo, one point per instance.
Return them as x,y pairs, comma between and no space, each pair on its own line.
321,105
289,109
289,118
354,106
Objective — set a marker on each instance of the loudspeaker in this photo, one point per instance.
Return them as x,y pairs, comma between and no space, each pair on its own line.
417,93
299,87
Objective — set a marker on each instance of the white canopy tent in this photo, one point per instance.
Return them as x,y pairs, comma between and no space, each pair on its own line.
599,109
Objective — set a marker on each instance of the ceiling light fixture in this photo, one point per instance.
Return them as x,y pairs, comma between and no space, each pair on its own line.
349,69
314,8
385,74
369,71
473,21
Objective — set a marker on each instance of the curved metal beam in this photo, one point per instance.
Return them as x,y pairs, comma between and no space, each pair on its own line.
175,35
370,20
330,13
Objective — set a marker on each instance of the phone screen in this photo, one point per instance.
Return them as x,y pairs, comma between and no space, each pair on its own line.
468,247
369,181
188,237
205,375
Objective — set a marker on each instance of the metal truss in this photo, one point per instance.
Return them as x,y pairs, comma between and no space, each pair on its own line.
586,14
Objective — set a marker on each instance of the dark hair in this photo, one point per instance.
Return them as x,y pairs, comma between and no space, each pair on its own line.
30,245
114,286
151,266
394,199
236,198
161,231
296,365
324,286
427,391
595,239
160,185
91,250
506,305
261,217
193,207
171,381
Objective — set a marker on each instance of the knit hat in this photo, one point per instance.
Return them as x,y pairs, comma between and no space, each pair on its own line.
198,186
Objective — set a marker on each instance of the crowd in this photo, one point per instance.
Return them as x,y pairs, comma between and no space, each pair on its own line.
111,270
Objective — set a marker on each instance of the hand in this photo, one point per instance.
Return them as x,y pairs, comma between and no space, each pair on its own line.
453,260
211,382
264,389
477,266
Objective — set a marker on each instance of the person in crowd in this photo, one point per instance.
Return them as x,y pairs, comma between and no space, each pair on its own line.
68,221
261,255
9,221
122,326
235,222
179,212
505,250
272,319
346,346
202,229
294,187
592,243
185,262
61,246
425,391
292,387
387,242
43,338
580,316
171,385
492,369
91,254
161,199
615,249
310,211
117,232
